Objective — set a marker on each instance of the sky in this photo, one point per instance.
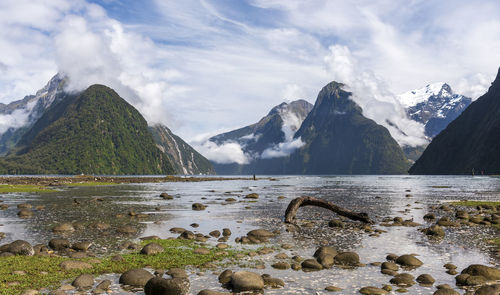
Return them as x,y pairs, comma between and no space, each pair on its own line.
206,66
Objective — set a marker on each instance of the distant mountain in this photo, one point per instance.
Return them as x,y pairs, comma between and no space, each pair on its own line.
334,138
184,158
435,106
30,108
340,140
470,143
92,132
256,140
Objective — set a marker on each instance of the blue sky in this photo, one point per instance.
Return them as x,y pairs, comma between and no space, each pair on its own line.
206,66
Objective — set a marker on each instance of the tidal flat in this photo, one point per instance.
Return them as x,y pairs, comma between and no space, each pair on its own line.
111,219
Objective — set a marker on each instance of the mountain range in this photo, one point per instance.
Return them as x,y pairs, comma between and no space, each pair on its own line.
332,137
93,132
286,140
470,144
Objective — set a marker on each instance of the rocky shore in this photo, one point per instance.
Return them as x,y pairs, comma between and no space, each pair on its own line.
274,257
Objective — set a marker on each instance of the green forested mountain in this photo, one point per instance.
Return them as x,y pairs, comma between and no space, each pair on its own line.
184,158
92,132
471,143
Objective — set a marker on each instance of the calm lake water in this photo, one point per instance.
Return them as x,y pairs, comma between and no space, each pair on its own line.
379,196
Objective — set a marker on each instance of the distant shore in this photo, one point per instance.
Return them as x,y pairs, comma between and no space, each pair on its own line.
89,179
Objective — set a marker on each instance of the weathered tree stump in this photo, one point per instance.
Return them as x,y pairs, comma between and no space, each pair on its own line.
296,203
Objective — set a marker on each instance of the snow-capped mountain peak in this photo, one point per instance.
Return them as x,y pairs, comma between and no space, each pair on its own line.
434,105
413,97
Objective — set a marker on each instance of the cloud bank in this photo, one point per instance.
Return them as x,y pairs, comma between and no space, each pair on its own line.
204,65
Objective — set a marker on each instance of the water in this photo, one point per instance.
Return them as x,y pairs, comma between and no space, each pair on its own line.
379,196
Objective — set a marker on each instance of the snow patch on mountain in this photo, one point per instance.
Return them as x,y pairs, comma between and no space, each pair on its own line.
291,123
416,96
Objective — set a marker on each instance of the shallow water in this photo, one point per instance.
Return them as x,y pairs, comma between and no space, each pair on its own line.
379,196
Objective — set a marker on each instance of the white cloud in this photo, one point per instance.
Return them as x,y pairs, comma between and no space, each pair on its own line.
282,149
16,119
225,153
373,96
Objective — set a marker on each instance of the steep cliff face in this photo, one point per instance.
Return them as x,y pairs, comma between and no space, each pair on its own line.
470,143
340,140
184,158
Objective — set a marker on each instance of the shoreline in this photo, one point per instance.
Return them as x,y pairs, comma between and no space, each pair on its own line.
79,179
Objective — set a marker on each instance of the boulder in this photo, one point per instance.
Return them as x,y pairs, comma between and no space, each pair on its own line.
489,273
325,250
246,281
347,259
488,290
281,265
260,233
84,281
59,244
446,291
25,213
214,233
273,282
252,196
225,277
198,207
311,264
152,249
425,280
135,277
161,286
226,232
434,231
389,266
403,280
326,260
409,261
21,247
81,246
177,273
370,290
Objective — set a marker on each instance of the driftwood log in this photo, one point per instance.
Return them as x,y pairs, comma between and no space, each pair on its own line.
296,203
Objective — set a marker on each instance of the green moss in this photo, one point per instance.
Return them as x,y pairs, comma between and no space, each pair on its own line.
23,188
476,203
45,272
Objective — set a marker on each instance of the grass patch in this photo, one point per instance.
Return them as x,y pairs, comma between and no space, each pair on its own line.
476,203
441,186
45,272
24,188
